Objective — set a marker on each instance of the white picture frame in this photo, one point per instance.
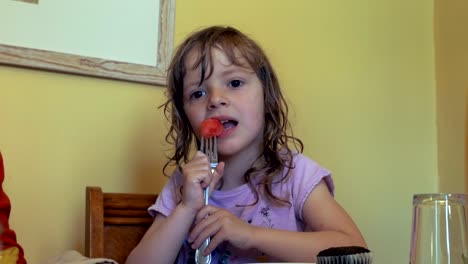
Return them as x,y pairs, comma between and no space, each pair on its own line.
45,59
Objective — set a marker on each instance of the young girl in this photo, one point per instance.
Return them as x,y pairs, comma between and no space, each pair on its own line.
268,201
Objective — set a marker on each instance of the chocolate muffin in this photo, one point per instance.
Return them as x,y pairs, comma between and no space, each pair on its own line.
345,255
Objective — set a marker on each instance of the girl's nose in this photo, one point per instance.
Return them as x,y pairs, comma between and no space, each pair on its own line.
217,99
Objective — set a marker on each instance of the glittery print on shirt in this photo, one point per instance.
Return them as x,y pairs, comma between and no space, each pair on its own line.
187,253
224,259
265,212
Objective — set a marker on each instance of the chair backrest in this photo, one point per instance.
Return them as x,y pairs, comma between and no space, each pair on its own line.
115,222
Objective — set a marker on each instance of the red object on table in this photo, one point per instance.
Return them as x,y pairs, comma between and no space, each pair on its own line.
8,236
211,128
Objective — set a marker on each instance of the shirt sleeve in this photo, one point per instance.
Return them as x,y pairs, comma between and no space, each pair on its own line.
169,197
305,177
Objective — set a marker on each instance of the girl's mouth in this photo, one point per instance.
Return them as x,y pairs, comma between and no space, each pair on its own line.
227,124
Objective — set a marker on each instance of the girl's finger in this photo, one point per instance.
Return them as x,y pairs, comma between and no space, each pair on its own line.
216,239
204,230
217,175
204,213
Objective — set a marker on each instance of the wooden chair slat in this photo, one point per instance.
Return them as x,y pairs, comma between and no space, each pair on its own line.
115,222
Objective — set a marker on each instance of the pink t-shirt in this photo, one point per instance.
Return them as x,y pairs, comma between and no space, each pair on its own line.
305,175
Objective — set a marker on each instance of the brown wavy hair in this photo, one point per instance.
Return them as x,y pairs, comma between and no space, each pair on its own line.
277,133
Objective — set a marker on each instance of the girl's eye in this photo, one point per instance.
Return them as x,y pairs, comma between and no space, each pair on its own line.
236,83
197,94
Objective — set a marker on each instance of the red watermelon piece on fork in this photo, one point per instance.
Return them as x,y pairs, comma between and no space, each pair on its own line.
211,128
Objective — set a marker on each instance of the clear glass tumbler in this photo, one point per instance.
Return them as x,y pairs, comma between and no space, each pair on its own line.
439,229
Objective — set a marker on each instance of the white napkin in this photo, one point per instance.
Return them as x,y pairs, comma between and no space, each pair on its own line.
74,257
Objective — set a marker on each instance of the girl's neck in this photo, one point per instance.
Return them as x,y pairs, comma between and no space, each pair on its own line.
235,168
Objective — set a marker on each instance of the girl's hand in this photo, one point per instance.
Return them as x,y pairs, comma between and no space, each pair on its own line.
221,225
197,176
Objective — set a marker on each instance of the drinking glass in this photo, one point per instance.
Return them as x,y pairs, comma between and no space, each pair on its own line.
439,229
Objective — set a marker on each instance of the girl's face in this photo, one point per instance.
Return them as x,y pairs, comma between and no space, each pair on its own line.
234,95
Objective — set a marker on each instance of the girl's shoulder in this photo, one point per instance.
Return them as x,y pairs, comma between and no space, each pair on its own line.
307,173
302,162
176,178
300,180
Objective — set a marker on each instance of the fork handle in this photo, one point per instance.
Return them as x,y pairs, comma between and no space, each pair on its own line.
206,194
199,258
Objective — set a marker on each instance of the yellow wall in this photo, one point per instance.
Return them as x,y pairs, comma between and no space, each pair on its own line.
359,77
451,41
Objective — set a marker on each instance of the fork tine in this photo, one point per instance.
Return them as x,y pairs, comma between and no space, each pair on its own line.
209,146
215,150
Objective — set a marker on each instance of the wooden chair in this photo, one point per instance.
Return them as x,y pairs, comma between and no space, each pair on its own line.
115,223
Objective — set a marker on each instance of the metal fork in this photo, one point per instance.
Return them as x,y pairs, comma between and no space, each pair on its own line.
208,146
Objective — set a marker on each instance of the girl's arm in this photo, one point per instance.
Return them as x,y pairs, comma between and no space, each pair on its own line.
164,238
329,224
